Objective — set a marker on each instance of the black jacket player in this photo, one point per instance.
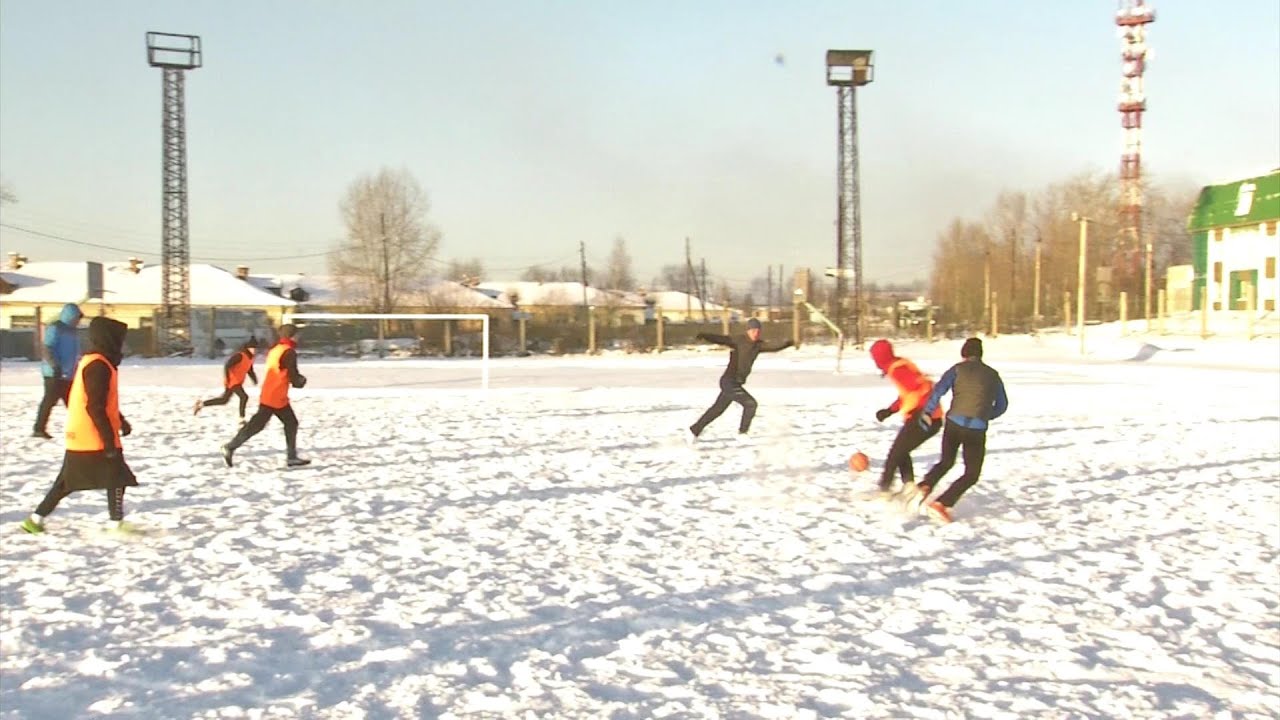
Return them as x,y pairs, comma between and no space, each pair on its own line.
742,356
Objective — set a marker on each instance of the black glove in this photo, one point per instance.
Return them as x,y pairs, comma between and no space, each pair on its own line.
110,453
299,381
925,421
882,414
125,427
57,372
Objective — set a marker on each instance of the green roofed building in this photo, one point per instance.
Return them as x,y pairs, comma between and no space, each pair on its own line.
1234,241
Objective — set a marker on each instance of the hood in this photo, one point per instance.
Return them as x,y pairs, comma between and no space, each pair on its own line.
107,336
70,314
882,354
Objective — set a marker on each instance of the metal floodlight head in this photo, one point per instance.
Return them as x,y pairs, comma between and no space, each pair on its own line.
849,67
169,50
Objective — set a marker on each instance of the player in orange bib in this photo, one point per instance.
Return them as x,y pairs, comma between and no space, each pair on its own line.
234,371
93,460
281,374
913,391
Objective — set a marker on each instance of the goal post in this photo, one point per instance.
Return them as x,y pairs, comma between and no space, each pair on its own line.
482,317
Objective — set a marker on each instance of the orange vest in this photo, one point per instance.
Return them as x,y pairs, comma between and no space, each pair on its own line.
916,394
275,383
236,376
82,435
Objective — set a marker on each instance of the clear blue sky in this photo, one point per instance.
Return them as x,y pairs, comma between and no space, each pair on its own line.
536,125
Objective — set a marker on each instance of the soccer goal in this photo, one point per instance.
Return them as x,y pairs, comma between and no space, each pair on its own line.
483,318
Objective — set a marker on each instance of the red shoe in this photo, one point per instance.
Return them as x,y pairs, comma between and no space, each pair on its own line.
939,512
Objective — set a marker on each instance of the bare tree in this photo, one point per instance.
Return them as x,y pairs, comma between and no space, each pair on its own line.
389,240
6,194
467,272
618,273
671,277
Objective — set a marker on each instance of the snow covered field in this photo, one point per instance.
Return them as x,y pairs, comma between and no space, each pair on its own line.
553,548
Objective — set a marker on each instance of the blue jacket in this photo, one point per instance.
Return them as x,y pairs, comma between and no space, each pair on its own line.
977,394
62,344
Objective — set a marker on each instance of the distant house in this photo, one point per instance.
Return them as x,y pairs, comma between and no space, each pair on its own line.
1234,240
681,307
222,306
564,301
326,293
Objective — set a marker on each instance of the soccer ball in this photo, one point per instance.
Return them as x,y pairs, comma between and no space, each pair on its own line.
858,462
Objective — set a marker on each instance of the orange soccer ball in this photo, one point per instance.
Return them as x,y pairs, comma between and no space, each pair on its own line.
858,462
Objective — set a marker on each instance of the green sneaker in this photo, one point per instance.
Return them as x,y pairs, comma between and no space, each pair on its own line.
32,526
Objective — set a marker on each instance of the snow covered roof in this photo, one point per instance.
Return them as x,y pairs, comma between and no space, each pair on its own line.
530,293
677,300
327,290
63,282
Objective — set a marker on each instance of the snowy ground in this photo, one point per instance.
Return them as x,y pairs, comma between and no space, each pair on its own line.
552,548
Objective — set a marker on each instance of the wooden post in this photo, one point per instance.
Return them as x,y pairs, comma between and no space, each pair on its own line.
1066,311
591,330
1204,312
1162,309
995,315
213,332
1124,310
928,322
37,339
523,335
1250,301
657,312
795,322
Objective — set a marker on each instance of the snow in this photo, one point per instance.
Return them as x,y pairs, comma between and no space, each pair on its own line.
554,548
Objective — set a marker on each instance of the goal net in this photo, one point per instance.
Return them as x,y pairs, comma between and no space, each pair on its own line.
482,318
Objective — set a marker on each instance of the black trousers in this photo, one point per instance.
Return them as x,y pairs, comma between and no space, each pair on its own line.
910,437
222,399
730,392
259,421
55,389
973,443
59,491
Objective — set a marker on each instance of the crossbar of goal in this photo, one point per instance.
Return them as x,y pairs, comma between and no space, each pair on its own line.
484,341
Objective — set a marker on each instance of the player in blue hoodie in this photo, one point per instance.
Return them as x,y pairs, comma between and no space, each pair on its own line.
61,353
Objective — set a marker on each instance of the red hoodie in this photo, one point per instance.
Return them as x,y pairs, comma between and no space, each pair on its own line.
913,386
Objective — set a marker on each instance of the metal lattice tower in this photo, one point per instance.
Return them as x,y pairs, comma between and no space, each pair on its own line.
846,71
174,54
1132,17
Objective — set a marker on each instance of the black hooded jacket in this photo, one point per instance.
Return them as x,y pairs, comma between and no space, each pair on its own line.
106,336
742,354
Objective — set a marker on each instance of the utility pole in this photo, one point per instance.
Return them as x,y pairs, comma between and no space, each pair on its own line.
1013,275
688,283
1084,251
386,265
386,286
582,256
1035,309
986,285
768,300
702,289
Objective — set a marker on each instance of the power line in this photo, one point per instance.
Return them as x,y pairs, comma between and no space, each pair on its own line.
100,246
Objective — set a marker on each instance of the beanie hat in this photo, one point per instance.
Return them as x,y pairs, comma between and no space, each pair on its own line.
288,330
753,324
882,353
972,348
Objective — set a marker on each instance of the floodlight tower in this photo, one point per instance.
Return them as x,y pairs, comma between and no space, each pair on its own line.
174,54
1132,18
847,70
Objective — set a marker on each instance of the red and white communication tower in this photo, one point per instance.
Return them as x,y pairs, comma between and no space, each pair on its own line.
1132,19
